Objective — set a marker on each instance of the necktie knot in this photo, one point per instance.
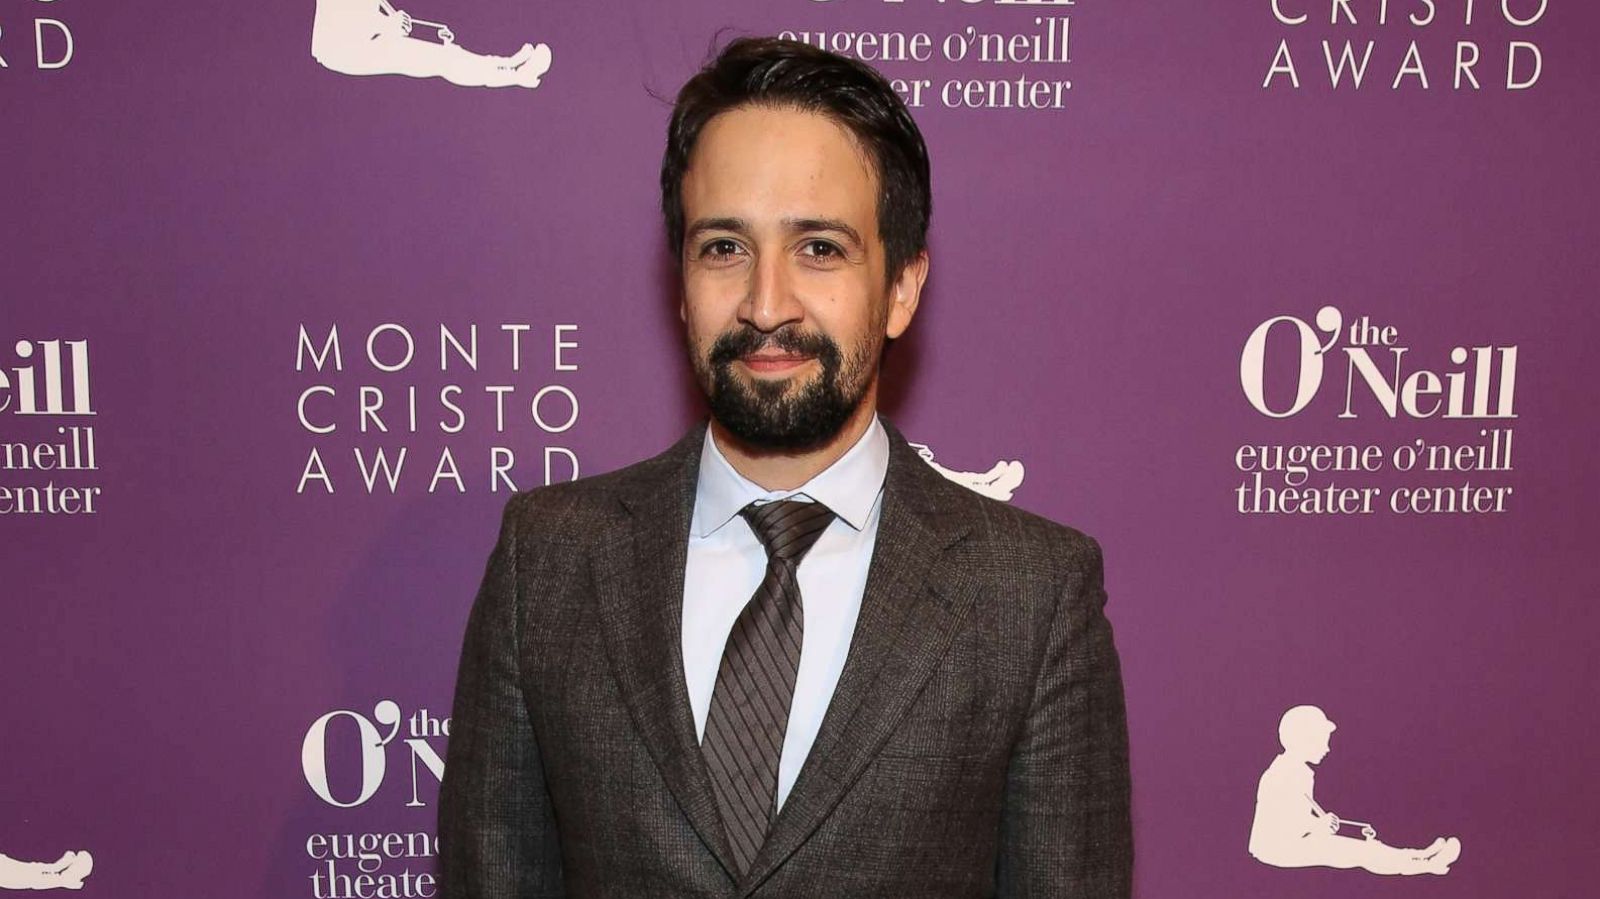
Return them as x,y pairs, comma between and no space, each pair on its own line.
788,528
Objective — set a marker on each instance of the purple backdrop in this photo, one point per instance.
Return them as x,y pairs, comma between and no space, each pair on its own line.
188,191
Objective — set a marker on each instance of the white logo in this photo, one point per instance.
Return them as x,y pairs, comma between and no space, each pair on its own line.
369,863
391,418
1029,54
1292,831
1348,61
65,873
371,37
43,390
1408,391
371,747
999,482
49,382
52,44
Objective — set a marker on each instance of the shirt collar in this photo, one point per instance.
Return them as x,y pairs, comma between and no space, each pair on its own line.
849,486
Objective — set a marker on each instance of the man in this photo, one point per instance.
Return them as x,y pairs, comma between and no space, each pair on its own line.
786,657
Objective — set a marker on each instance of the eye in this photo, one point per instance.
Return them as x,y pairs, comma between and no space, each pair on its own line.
821,249
720,248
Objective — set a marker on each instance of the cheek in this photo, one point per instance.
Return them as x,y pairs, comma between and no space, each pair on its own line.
848,309
711,297
702,328
699,317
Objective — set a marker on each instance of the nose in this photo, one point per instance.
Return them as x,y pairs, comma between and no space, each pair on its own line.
770,302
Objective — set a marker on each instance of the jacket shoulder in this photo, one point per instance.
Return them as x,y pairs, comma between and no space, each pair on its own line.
1017,540
571,511
999,539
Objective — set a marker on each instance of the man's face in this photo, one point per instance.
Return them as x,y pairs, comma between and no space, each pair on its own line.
784,292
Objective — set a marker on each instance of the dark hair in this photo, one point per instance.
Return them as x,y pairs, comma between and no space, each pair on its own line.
767,71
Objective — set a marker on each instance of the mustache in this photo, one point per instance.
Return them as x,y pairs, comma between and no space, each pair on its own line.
743,341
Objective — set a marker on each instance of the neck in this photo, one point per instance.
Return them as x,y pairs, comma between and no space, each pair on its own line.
786,470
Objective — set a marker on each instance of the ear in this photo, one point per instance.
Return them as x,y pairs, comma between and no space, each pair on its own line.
904,294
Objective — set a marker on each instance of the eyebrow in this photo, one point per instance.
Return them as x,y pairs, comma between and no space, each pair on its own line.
740,226
736,225
834,225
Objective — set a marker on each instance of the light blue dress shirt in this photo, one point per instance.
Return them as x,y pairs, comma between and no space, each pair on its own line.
726,563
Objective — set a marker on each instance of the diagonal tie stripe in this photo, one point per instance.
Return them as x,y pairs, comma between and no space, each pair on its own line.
749,711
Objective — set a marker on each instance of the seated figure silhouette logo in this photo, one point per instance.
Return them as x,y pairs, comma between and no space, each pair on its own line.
1292,831
372,37
65,873
998,482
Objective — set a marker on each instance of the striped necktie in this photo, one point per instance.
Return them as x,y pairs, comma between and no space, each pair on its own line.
755,683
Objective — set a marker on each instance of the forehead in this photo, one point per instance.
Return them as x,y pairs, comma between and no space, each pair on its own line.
756,161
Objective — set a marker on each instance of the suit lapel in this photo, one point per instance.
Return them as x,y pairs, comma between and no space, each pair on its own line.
639,584
912,606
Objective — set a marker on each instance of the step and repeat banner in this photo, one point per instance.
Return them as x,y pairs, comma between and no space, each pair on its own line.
1290,303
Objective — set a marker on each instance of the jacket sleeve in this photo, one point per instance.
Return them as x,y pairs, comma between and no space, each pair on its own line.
497,830
1065,828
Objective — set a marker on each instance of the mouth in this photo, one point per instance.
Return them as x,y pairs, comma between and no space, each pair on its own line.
774,362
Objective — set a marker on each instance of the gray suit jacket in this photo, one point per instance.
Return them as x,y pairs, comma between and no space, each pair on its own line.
975,744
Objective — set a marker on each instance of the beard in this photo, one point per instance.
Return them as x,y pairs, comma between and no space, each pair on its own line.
791,414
